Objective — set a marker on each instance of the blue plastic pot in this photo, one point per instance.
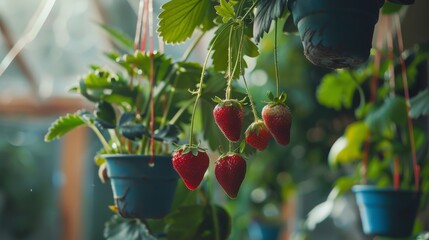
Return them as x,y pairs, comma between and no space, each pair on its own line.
264,231
139,190
336,33
387,212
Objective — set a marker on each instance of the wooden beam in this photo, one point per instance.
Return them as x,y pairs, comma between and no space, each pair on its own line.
49,107
72,166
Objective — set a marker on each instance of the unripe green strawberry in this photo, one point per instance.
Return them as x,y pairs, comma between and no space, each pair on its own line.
257,135
191,163
278,119
228,115
230,171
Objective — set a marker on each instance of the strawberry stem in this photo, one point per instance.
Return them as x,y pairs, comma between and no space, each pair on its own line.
229,81
276,67
200,90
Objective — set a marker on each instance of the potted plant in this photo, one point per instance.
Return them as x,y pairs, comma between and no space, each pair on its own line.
384,141
337,34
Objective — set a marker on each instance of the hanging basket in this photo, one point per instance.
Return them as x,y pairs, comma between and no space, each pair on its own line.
387,212
139,190
336,33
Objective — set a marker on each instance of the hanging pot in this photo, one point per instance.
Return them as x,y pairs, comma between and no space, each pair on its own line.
336,33
139,190
387,212
259,230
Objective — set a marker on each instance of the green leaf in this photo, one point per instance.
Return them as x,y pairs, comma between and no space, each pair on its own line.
390,8
178,222
142,61
201,217
393,110
169,133
266,12
179,19
188,75
118,228
348,148
105,114
225,10
63,125
220,47
420,104
289,27
336,90
118,37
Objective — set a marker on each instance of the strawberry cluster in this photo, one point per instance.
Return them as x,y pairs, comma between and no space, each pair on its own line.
191,162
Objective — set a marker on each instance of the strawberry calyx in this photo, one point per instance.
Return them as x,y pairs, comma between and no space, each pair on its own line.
255,127
227,154
280,100
186,148
229,102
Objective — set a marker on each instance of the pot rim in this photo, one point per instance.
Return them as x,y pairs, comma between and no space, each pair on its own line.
372,188
121,155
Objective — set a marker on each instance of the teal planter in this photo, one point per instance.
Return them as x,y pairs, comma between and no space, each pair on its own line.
264,231
336,33
387,212
139,190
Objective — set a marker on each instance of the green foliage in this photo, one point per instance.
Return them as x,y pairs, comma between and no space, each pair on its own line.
118,37
221,46
180,18
392,111
119,228
201,217
267,11
348,148
64,125
337,88
419,104
391,8
225,10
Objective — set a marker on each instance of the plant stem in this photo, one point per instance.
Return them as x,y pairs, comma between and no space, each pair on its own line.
252,104
250,9
239,53
396,172
180,112
139,25
200,90
192,47
229,81
214,213
276,67
416,167
100,137
359,88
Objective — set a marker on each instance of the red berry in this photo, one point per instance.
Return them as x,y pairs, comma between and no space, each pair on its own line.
228,116
278,119
257,135
191,164
230,171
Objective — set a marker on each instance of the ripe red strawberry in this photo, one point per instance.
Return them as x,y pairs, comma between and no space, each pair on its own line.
230,171
257,135
191,162
228,115
278,119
